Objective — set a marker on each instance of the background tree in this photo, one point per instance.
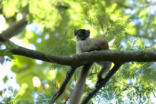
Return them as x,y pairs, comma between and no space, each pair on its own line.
127,25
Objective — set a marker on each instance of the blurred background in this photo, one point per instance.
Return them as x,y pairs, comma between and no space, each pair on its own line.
128,25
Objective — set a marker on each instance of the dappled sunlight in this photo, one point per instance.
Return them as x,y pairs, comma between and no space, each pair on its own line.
22,89
36,82
46,37
21,43
2,47
90,83
34,28
51,74
10,82
38,61
19,16
3,24
130,28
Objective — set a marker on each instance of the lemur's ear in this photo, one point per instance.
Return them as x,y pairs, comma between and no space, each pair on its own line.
75,32
88,32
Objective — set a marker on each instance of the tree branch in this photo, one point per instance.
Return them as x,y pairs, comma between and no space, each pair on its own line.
81,59
102,84
69,74
14,29
114,56
88,57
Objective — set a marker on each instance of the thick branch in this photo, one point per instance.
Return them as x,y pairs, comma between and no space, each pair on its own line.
88,57
77,60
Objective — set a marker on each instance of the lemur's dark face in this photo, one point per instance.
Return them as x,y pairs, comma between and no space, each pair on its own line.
81,34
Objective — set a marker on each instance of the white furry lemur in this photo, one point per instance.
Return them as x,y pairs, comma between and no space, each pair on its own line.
86,44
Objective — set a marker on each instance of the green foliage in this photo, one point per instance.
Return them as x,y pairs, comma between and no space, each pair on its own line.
51,31
5,79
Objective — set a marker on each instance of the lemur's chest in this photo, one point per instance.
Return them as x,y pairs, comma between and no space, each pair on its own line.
91,45
84,45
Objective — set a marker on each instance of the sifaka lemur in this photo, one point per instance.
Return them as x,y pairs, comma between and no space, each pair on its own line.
86,44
